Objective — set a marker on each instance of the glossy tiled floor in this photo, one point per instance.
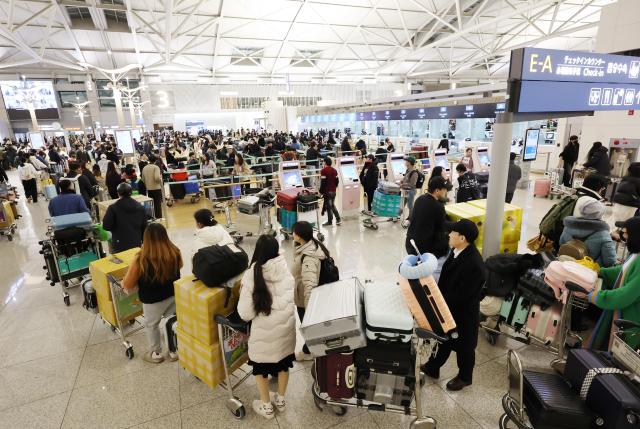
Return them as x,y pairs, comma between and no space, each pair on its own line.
62,367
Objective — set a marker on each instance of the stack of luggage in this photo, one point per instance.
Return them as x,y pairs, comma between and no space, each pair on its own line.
287,200
386,200
363,348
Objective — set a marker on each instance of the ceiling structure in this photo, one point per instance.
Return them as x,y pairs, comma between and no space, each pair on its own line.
280,41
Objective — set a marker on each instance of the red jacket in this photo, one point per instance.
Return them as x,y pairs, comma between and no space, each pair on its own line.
329,178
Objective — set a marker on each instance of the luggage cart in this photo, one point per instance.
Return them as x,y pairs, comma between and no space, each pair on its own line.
127,308
7,220
374,218
233,334
425,343
305,212
265,224
181,186
555,175
64,269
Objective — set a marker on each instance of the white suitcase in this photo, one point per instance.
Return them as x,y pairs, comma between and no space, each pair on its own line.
248,204
387,315
333,319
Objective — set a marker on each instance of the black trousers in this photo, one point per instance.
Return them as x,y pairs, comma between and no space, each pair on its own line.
31,189
156,196
330,205
369,193
566,178
466,360
508,197
3,174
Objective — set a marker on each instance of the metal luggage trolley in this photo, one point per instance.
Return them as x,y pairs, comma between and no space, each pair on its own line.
564,331
555,176
181,178
425,343
63,266
127,308
265,224
374,218
306,211
10,228
233,334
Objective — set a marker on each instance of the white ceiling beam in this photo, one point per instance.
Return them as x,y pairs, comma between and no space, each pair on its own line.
32,17
67,28
132,27
47,33
286,36
194,9
404,25
459,14
216,42
168,27
526,18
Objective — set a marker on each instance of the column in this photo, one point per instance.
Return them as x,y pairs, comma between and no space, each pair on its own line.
94,105
118,99
499,171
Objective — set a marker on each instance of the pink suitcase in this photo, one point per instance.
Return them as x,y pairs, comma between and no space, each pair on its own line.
541,187
544,324
557,273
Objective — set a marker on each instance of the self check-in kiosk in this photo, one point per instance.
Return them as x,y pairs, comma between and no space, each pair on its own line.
396,167
440,159
289,175
349,183
482,161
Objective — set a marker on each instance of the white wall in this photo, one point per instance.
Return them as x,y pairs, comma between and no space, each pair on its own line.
618,30
231,120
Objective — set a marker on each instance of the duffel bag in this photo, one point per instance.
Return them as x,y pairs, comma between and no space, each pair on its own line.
216,265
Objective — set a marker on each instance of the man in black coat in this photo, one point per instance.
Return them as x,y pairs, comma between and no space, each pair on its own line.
461,283
569,157
428,222
126,220
86,190
598,159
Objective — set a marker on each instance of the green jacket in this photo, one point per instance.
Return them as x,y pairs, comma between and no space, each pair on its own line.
625,299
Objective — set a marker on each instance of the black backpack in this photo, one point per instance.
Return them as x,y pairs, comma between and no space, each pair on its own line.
215,265
504,270
420,180
329,272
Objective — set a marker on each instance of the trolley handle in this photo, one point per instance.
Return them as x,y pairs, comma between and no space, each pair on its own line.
574,287
624,324
425,334
233,321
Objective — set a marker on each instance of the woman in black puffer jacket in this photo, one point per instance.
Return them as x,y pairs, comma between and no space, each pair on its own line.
627,196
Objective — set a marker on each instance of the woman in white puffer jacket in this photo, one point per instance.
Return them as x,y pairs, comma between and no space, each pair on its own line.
209,231
267,300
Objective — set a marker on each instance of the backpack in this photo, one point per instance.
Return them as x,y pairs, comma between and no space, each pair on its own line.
504,269
215,265
329,272
420,181
551,225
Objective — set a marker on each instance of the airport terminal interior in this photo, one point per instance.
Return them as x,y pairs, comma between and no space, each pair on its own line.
289,214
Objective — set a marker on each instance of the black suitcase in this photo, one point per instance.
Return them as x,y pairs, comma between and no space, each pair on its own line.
50,263
533,287
612,397
90,299
385,357
177,191
551,404
169,327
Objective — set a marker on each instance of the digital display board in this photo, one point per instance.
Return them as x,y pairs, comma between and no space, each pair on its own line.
349,172
531,144
17,92
124,141
398,166
573,66
544,96
37,140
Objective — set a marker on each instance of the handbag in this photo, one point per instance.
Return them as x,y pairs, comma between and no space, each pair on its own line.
540,243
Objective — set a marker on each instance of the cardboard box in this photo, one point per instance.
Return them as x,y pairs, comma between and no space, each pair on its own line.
197,305
475,211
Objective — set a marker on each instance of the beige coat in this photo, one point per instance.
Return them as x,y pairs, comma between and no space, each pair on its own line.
307,271
152,177
272,337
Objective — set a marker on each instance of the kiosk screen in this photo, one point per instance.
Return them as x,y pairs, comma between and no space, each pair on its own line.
398,166
349,172
483,156
292,178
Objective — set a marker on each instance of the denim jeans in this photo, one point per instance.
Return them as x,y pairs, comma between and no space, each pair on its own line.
330,206
409,198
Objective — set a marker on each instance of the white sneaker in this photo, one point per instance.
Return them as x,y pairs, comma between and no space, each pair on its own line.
301,357
153,357
172,356
278,401
263,409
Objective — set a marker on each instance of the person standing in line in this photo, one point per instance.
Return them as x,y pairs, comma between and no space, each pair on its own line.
409,183
126,220
153,272
444,143
113,179
468,187
152,178
86,190
267,301
627,197
28,174
598,159
569,156
428,223
328,188
369,179
513,176
461,284
381,158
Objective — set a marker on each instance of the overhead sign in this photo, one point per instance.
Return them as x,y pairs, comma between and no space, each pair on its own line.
542,96
573,66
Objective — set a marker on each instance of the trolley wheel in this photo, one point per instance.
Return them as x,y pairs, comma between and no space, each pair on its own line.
67,301
424,423
10,237
339,411
240,413
194,200
236,407
132,321
321,237
492,338
374,226
169,203
129,352
504,420
113,328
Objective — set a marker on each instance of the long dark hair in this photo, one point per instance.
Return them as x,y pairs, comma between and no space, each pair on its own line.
267,248
205,217
304,230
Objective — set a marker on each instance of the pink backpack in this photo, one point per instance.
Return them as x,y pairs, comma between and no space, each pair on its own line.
557,273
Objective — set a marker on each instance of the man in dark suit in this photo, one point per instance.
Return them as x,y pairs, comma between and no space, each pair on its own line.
461,283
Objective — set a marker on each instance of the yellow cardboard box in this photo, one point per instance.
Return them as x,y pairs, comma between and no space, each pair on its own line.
511,223
202,360
511,247
197,305
99,270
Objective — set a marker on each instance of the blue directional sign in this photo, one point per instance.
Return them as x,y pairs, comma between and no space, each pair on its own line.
573,66
541,96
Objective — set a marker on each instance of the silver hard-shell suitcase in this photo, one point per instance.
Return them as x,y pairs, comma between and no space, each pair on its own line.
386,313
333,318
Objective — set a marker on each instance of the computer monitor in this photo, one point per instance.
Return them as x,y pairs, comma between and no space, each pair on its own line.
550,136
349,171
291,176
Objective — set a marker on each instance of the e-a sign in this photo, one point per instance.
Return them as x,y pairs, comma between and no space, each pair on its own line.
573,66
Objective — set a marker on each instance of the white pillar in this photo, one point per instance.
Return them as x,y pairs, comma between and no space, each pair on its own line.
132,113
84,129
34,120
498,173
119,112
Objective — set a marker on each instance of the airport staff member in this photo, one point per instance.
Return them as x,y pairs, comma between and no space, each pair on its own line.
126,220
461,283
68,202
